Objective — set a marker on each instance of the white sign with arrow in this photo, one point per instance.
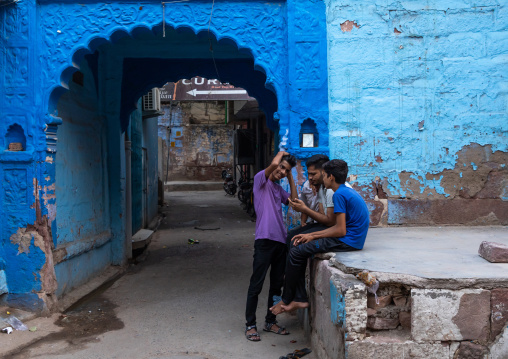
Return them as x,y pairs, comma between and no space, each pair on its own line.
195,92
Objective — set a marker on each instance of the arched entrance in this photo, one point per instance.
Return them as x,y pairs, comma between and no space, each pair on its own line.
276,51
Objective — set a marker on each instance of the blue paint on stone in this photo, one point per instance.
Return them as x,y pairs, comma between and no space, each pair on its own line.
338,306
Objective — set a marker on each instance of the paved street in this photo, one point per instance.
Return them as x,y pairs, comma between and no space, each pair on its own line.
182,301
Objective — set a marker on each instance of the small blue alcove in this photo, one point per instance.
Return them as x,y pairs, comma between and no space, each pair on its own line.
15,134
309,136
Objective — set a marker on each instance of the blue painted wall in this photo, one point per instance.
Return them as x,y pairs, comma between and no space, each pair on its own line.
418,107
82,224
136,127
151,143
413,94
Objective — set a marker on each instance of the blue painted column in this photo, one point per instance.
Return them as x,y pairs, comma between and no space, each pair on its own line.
110,75
308,76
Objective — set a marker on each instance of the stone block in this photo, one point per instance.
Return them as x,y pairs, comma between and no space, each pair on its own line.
405,320
369,349
400,300
383,301
494,252
446,315
382,323
371,312
322,276
499,349
349,296
499,314
469,350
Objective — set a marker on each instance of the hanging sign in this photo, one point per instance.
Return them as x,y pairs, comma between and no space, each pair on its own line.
201,89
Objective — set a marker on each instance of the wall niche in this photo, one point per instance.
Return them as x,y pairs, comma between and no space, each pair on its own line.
309,136
15,139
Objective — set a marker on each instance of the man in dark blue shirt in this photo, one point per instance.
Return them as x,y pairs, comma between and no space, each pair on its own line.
348,233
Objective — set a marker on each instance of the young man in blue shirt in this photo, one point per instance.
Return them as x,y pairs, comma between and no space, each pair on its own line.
348,234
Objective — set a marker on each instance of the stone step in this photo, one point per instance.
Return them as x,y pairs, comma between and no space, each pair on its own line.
177,186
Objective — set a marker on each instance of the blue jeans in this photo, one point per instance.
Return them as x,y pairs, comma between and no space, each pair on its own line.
294,283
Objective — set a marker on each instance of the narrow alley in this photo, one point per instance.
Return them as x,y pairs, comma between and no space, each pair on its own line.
182,300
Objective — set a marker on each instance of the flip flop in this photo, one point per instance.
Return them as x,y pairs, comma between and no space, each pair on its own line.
298,353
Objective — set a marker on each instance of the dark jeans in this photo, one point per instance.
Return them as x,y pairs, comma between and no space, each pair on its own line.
297,263
300,294
267,253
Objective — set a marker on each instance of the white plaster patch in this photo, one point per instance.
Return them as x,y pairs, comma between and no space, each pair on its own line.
23,240
499,348
3,283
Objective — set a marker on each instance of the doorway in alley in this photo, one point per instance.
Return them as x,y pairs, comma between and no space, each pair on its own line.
107,158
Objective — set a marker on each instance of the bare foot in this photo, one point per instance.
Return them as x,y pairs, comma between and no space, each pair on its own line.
294,306
277,308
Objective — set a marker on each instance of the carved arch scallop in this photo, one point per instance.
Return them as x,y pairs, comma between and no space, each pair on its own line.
256,28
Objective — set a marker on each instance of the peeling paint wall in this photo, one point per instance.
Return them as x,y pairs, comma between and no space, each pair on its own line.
81,196
418,108
200,144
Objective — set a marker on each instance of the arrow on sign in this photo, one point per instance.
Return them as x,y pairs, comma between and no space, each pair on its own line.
195,92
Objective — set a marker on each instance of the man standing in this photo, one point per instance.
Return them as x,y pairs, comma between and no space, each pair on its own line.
270,243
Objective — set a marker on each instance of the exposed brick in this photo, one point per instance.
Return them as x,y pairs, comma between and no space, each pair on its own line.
405,320
383,301
400,300
494,252
499,314
371,312
382,323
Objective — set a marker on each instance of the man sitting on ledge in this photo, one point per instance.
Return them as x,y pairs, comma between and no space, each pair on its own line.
348,234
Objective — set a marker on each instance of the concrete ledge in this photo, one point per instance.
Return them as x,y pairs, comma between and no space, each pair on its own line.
142,238
422,257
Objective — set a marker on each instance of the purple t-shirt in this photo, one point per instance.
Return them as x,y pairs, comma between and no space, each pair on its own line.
268,199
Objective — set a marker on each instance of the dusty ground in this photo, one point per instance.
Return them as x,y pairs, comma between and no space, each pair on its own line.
184,301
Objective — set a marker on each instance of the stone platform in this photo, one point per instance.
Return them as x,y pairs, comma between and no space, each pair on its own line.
437,297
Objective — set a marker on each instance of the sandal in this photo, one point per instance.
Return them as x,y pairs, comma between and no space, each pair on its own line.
297,354
281,331
253,337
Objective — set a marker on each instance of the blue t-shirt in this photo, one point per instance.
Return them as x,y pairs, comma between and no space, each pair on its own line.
347,200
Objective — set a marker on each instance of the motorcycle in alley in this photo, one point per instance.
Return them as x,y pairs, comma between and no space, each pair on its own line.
229,183
246,196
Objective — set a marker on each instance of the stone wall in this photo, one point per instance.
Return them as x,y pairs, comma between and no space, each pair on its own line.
199,141
406,322
418,109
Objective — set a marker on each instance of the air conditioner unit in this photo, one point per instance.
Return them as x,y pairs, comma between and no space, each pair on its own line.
152,100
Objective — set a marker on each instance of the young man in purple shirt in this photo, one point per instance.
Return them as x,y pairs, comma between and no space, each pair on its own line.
270,248
347,234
